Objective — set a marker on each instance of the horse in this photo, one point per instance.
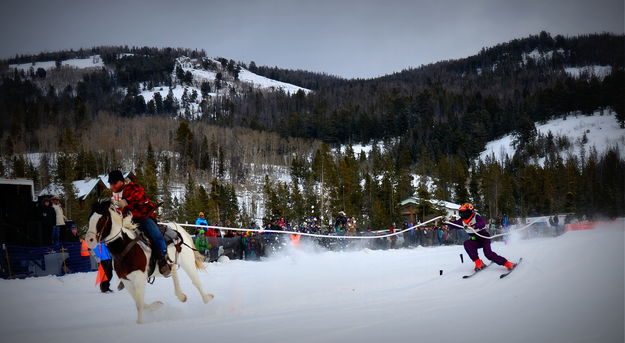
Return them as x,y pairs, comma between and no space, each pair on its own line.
130,257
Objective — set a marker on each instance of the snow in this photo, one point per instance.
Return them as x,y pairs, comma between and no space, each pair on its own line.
177,92
538,56
602,132
266,83
594,70
245,76
556,295
366,148
91,62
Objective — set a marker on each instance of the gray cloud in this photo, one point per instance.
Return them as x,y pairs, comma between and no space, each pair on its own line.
347,38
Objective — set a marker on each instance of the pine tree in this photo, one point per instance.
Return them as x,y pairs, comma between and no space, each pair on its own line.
191,206
167,208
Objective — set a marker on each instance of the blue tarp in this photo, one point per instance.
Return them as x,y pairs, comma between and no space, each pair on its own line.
20,261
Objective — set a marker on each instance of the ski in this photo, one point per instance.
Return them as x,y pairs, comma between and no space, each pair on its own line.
475,272
511,270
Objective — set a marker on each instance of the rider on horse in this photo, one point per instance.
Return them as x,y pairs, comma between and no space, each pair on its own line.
129,197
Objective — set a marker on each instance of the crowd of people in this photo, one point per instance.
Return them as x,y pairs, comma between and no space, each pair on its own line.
252,245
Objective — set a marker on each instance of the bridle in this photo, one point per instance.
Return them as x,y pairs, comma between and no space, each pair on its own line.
101,228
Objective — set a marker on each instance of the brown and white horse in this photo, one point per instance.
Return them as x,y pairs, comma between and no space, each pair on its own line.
131,258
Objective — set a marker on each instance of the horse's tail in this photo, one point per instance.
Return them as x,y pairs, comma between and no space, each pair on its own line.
199,260
186,238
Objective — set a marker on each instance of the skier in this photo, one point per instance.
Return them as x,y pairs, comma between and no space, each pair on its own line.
473,223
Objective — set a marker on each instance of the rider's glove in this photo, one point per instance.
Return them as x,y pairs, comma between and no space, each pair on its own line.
121,203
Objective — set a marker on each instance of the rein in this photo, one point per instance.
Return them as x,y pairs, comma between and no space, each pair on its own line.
100,233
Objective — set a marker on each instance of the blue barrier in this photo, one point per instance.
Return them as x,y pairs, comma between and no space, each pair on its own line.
20,261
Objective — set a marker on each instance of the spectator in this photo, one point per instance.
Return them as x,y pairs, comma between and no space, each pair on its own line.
340,224
418,236
60,220
48,221
554,222
72,234
427,237
407,235
439,235
394,237
102,253
201,242
201,221
251,243
213,244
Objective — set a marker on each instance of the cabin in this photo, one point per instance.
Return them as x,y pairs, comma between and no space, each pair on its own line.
409,207
84,188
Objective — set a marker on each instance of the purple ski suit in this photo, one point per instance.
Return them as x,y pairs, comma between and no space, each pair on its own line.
475,242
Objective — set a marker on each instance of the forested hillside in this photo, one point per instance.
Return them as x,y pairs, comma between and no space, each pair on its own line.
212,126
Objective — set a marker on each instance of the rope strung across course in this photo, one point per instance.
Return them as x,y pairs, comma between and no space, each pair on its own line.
312,234
494,236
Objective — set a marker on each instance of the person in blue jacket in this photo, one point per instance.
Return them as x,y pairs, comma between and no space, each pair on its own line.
201,220
103,254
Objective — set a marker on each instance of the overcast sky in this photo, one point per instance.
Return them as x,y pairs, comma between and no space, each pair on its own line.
352,38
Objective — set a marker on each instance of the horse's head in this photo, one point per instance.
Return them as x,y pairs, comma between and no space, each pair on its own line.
100,223
106,223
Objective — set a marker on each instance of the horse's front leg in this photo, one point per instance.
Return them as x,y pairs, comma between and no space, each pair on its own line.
136,287
174,275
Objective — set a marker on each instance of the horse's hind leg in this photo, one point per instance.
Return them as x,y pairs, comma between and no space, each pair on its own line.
174,275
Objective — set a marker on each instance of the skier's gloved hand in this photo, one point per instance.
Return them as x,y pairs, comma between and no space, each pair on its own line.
468,228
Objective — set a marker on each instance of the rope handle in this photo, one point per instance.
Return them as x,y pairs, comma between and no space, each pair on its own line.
312,234
499,235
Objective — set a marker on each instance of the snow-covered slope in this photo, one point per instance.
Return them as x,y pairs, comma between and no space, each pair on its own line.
557,295
602,132
91,62
190,106
262,82
245,76
598,71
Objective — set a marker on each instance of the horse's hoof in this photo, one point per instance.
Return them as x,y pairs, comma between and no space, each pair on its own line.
208,297
154,306
182,298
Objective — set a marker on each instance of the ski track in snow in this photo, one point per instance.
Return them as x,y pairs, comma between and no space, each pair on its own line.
568,289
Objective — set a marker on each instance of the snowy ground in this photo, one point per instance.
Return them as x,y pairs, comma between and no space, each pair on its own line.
568,289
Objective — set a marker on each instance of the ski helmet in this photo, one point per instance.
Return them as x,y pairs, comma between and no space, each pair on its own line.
466,210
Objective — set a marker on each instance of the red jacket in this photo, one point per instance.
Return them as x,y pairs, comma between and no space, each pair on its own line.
138,203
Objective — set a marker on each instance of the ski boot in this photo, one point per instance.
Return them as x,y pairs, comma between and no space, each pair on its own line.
479,265
509,265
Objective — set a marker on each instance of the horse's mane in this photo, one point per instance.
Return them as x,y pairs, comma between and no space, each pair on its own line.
104,207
